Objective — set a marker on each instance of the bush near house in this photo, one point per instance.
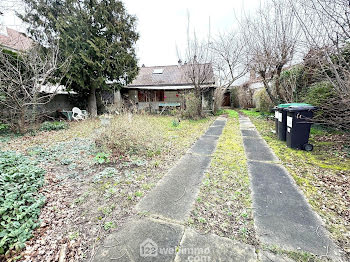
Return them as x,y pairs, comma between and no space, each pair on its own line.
262,101
20,202
191,106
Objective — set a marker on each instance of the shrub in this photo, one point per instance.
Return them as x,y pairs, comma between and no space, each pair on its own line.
20,202
292,81
130,135
244,96
234,98
192,104
262,101
55,125
219,95
3,128
319,93
333,110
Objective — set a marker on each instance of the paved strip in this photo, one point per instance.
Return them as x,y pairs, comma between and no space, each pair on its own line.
137,240
174,195
281,213
196,247
150,239
155,240
172,199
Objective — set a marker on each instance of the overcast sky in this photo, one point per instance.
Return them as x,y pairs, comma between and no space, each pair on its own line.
162,24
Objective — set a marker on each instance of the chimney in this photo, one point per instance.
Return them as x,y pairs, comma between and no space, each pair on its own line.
252,75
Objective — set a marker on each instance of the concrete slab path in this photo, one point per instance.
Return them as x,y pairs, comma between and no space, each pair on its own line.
282,215
162,236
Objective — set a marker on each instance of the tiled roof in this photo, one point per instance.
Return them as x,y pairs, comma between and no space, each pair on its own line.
15,40
173,75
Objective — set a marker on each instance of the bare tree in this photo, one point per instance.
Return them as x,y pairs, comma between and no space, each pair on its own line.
22,78
271,37
326,27
229,60
199,68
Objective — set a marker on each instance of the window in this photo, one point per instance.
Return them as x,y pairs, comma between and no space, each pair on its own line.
158,71
151,96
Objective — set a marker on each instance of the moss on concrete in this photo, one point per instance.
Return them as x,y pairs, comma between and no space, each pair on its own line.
323,175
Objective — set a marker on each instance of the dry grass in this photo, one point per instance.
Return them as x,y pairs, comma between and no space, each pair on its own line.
81,129
85,200
147,136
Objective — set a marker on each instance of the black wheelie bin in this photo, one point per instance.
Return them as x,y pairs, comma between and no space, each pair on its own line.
281,117
299,121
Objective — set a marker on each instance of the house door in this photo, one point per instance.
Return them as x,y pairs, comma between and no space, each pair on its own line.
227,100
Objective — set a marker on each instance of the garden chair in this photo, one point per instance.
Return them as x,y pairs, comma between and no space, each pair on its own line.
78,114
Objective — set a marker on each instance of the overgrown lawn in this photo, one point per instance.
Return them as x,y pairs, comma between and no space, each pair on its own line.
96,174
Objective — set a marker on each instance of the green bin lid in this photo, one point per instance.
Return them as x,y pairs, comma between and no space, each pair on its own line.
300,108
292,104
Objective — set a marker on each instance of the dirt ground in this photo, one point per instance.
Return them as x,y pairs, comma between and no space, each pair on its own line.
86,200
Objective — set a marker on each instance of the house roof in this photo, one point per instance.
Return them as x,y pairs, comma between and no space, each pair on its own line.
168,77
15,40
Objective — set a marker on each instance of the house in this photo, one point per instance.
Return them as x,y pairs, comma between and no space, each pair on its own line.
13,40
159,86
18,42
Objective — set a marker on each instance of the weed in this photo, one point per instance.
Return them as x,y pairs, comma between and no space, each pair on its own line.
107,210
109,172
202,220
109,225
102,157
3,128
138,194
56,125
175,123
73,235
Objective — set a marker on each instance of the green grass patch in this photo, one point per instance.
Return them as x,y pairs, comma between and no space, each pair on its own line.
229,112
224,203
55,125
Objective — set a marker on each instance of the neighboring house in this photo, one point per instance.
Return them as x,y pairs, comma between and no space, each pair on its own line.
13,40
254,83
160,86
249,87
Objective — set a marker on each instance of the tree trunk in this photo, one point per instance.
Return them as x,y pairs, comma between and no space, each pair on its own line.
198,94
92,105
118,99
278,85
101,108
21,121
266,85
